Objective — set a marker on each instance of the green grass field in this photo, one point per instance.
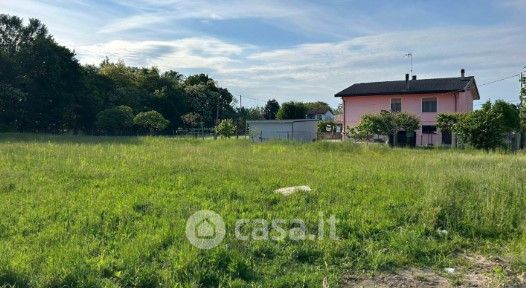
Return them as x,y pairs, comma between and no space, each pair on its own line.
111,212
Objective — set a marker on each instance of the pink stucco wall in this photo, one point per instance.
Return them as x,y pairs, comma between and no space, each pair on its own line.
452,102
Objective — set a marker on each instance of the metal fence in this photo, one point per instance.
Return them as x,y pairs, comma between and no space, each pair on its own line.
200,133
263,136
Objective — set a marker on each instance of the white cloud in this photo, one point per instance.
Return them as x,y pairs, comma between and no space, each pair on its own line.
317,71
516,4
296,16
175,54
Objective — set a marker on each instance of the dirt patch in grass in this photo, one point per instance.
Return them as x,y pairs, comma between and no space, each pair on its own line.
479,271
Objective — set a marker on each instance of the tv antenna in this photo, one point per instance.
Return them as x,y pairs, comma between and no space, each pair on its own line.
410,55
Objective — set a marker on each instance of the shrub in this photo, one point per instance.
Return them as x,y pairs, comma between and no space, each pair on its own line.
116,120
405,122
191,119
446,121
322,126
384,123
226,128
481,129
509,115
151,121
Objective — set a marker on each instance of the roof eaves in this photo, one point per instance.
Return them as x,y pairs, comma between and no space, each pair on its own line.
394,93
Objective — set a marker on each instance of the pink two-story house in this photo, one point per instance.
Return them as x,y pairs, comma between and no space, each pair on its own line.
424,98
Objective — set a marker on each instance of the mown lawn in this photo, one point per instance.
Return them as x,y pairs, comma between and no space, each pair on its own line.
88,211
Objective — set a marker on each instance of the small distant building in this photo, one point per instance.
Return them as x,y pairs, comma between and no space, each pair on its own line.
324,114
296,129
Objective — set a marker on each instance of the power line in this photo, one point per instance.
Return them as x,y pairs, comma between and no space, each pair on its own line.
495,81
250,98
258,100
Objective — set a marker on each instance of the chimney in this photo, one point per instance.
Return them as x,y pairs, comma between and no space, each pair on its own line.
414,77
462,73
406,77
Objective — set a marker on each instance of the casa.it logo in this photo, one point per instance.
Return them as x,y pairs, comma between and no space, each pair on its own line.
205,229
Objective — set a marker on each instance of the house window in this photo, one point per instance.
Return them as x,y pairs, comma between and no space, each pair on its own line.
429,129
396,105
429,104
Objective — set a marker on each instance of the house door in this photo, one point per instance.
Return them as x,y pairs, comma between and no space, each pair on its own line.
446,137
401,138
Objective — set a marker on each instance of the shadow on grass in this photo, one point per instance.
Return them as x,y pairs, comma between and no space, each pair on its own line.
10,278
66,139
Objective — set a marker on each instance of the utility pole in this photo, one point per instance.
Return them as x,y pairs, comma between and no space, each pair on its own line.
523,88
523,108
217,115
240,106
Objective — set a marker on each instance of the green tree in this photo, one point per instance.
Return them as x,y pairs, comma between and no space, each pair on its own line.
170,99
400,122
384,123
115,120
271,109
481,129
292,110
47,73
370,124
151,121
318,107
43,87
226,128
14,35
191,119
11,100
406,122
207,99
446,121
510,115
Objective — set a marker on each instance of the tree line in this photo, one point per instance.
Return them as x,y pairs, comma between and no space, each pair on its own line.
44,88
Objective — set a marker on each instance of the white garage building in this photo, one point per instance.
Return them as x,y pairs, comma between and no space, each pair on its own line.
298,129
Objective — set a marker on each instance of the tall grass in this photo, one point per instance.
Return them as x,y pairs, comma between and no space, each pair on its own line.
99,212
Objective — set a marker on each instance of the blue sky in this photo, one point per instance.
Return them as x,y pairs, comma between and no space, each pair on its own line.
296,50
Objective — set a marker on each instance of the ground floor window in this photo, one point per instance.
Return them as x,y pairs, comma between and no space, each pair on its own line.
429,129
404,138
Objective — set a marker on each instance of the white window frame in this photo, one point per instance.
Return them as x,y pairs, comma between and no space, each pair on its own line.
422,103
391,103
